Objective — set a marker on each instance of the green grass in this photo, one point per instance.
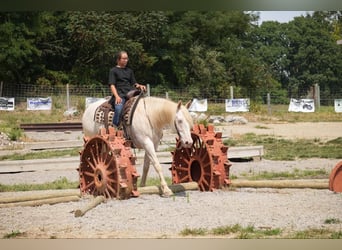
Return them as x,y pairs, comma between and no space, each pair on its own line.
13,234
295,174
62,183
236,231
283,149
42,154
250,232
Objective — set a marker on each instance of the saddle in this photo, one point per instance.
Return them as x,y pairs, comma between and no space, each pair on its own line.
104,113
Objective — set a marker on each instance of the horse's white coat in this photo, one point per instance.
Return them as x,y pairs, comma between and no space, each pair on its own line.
151,116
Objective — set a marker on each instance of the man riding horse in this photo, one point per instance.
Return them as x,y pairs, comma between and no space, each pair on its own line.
121,81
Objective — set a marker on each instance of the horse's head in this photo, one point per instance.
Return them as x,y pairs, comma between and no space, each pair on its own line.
183,125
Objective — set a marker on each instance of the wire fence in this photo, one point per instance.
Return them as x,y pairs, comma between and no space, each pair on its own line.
66,96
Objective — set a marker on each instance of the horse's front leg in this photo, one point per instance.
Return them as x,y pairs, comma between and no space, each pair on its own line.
146,167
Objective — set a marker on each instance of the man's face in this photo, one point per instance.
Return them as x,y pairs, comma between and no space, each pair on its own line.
122,62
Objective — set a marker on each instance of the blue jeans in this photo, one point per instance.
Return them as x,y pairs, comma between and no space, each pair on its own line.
117,112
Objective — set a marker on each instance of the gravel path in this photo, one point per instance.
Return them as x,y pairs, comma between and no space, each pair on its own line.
150,216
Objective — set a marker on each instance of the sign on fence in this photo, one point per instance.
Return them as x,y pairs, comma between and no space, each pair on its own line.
89,100
338,105
237,105
39,103
302,105
199,105
7,103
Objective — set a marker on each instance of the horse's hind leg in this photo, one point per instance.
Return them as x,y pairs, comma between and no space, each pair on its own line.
145,170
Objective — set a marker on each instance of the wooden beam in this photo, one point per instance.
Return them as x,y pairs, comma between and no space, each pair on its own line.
93,203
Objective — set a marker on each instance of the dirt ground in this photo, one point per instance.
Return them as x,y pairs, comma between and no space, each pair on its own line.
308,130
129,219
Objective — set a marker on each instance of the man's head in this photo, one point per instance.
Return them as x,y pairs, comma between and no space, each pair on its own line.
122,59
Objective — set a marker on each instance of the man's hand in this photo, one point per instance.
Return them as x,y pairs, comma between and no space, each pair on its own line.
141,87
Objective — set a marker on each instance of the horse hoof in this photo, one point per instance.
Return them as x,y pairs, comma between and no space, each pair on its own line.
166,195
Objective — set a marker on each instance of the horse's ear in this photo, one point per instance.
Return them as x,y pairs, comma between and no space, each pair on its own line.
179,105
188,104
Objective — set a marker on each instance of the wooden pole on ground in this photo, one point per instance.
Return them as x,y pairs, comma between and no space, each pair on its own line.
316,184
33,203
93,203
176,188
41,196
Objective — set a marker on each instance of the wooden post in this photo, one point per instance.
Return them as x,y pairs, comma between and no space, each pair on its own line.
94,202
269,103
67,92
176,188
316,96
316,184
1,87
33,203
41,196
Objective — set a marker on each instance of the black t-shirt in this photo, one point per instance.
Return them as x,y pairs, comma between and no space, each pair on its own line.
123,79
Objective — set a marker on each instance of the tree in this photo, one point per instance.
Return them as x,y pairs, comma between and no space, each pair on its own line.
313,54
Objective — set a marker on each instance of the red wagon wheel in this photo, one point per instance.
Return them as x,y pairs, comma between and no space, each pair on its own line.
98,169
206,162
107,167
335,178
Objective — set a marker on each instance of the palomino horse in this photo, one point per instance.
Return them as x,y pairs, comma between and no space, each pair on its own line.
151,116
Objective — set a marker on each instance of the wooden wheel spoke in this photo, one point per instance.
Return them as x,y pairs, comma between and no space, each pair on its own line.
90,163
183,169
185,179
111,189
92,183
90,174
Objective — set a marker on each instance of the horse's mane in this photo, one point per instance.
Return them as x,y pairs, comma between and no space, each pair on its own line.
161,111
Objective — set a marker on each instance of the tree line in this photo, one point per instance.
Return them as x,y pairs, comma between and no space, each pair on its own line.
203,52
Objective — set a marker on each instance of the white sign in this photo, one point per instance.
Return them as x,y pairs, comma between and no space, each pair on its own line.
338,105
237,105
89,100
39,103
7,103
199,105
302,105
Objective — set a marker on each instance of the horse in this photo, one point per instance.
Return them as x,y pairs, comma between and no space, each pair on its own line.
151,116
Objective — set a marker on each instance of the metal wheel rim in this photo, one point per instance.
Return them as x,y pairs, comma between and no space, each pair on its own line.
98,169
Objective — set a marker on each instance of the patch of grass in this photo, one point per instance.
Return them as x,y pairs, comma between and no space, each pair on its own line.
62,183
283,149
261,127
155,181
250,232
317,234
296,174
235,231
332,221
194,232
13,234
42,154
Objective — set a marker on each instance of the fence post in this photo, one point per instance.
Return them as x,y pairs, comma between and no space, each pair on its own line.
148,89
67,90
316,96
231,92
1,87
269,104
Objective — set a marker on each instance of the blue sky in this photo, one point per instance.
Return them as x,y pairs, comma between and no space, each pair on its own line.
280,16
